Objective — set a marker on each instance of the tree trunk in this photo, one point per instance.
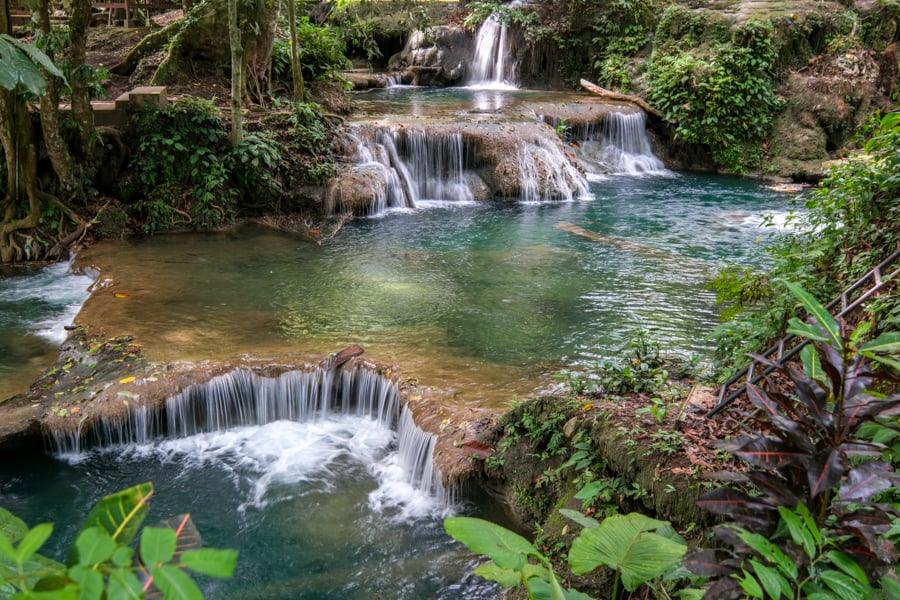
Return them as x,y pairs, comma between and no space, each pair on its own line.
237,59
57,148
151,43
299,86
79,21
20,149
258,49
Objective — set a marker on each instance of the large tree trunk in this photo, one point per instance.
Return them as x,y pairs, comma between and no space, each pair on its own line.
237,79
57,148
20,209
258,49
299,86
79,21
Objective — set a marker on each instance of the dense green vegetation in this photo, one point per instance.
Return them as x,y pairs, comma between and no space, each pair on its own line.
102,563
842,229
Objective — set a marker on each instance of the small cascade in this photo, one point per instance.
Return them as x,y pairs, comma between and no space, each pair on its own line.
241,398
617,145
547,174
415,452
493,63
415,167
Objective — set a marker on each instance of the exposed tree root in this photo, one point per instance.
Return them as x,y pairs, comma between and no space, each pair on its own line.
148,45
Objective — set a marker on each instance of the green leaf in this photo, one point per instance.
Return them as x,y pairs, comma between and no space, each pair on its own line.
798,531
580,518
848,566
751,586
123,556
12,527
124,585
625,543
505,577
509,550
769,551
175,584
94,546
211,561
590,491
33,541
886,343
774,584
157,546
890,586
89,580
842,585
817,311
810,332
120,515
812,366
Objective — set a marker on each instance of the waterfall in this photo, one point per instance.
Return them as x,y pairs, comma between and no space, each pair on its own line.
416,167
493,63
547,174
241,397
616,145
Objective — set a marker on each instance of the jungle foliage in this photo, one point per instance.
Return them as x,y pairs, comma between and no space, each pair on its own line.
836,233
814,517
103,562
722,96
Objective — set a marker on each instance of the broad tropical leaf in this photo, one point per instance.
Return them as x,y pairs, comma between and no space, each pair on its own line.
211,561
581,519
823,318
120,515
886,343
866,480
509,550
505,577
825,471
175,583
629,544
12,527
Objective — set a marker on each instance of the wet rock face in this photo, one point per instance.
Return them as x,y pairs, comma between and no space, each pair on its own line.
436,56
356,189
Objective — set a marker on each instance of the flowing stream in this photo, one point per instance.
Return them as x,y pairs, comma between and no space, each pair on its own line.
483,301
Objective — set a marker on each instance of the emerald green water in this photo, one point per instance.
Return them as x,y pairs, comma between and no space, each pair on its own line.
481,301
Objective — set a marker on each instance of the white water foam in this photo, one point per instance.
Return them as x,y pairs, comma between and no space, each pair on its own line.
282,460
61,292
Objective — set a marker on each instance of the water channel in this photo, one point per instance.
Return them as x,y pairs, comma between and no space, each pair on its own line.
484,301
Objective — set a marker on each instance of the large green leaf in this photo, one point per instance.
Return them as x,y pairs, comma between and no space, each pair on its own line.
886,343
12,527
94,546
824,319
175,584
505,577
211,561
17,69
157,546
629,544
509,550
120,515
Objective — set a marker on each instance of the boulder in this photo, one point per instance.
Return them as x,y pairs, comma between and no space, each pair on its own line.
436,56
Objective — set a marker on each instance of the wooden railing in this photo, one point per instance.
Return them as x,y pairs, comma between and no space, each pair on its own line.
789,346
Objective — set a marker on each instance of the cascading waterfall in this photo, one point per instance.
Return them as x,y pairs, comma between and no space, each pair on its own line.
416,167
616,145
241,397
546,173
490,62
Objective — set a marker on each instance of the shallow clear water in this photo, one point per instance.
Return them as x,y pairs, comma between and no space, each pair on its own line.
317,510
481,300
35,306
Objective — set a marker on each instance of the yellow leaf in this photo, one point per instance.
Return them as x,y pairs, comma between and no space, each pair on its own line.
121,295
127,379
587,406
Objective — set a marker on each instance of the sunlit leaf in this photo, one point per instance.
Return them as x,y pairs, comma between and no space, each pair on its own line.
94,546
509,550
823,318
505,577
175,583
120,515
211,561
629,544
157,546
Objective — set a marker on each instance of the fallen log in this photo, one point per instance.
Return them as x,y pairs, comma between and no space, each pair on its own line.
605,93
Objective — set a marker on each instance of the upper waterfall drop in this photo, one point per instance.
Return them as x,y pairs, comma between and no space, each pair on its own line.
493,61
617,145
